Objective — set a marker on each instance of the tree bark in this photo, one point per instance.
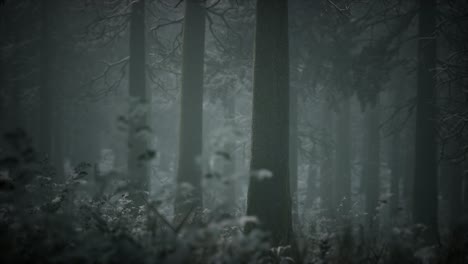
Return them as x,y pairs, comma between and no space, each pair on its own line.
138,146
312,179
396,161
269,198
58,140
451,167
58,93
293,153
326,167
408,168
46,91
453,170
343,157
3,78
230,167
425,208
190,134
371,170
465,192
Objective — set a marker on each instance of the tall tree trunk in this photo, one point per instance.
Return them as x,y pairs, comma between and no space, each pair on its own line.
13,90
452,170
312,179
46,91
9,89
58,140
465,191
190,134
425,178
396,161
293,152
343,157
408,168
371,171
269,198
326,166
58,96
451,167
3,75
138,148
230,160
396,171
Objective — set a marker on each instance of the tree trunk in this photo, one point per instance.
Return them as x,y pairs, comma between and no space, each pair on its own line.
396,171
3,79
13,90
425,181
269,198
293,153
58,94
312,179
190,134
408,168
343,158
396,161
451,167
453,171
465,192
326,167
138,148
45,92
371,171
230,164
58,140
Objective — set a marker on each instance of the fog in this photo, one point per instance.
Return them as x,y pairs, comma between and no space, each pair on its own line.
233,131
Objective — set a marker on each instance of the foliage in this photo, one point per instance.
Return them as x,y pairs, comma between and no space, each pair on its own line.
44,220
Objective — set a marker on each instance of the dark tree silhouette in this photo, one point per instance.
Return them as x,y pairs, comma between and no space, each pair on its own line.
327,160
138,152
425,179
46,90
371,170
269,198
190,134
343,157
293,151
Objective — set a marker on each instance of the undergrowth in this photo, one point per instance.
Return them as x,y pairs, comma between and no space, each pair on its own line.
46,220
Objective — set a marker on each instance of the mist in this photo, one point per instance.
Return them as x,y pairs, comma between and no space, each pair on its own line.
233,131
